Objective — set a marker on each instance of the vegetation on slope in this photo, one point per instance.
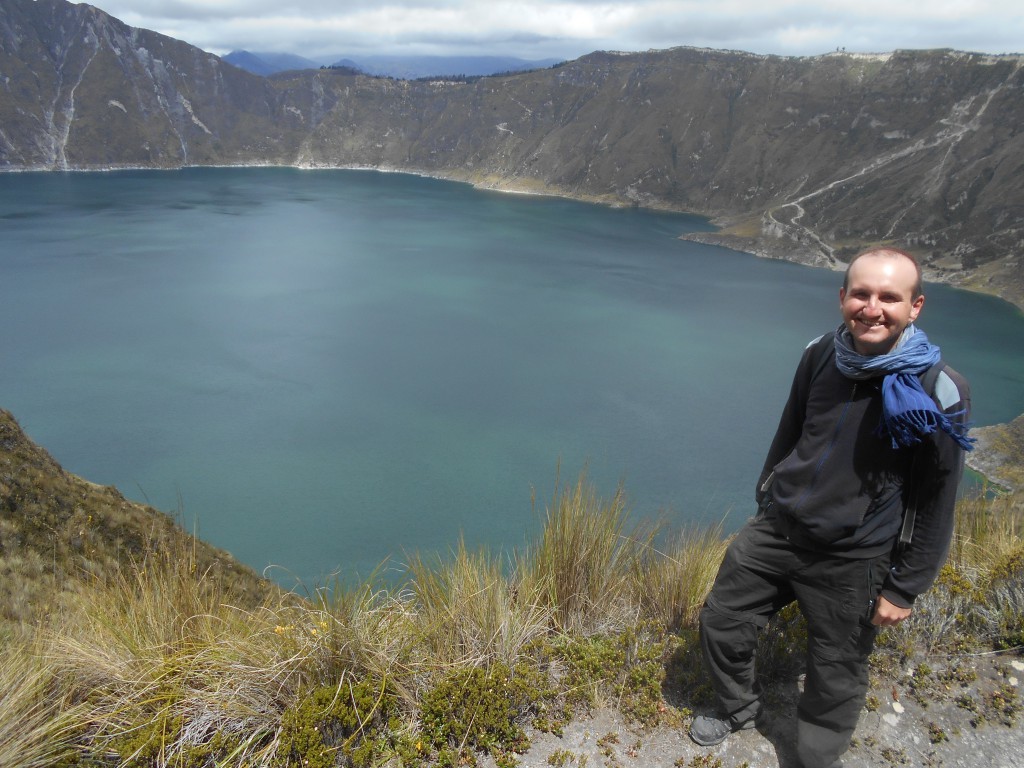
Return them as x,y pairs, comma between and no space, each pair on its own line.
999,453
58,532
163,659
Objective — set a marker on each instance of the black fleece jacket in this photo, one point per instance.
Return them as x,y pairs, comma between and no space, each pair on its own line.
837,485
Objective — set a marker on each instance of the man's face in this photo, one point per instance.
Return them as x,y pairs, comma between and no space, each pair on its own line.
878,302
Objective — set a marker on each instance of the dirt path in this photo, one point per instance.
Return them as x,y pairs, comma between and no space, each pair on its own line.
948,720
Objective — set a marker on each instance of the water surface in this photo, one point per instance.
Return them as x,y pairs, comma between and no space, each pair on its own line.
324,369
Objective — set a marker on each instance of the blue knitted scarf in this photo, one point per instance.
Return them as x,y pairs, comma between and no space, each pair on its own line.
908,412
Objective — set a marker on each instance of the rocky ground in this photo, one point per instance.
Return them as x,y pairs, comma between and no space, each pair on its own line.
963,718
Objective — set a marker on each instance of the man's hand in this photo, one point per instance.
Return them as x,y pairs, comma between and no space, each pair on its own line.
887,614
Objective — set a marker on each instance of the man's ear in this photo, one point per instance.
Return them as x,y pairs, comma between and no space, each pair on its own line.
915,307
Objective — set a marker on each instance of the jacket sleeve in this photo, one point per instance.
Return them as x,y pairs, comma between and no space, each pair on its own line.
938,467
791,423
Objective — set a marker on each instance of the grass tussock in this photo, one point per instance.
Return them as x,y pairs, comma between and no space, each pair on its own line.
585,562
674,578
37,721
471,611
978,599
158,663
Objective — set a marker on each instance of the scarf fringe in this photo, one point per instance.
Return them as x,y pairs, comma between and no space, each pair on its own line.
910,414
907,429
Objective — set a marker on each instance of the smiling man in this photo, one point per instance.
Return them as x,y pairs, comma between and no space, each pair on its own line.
855,509
880,297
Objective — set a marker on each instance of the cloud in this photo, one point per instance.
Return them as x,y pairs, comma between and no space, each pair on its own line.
570,28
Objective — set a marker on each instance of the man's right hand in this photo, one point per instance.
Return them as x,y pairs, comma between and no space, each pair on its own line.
888,614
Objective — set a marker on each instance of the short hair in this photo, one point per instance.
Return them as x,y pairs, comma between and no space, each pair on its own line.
888,252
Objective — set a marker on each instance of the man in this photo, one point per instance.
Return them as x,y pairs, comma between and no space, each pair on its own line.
858,442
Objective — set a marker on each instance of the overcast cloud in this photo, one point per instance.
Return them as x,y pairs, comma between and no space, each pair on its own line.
536,29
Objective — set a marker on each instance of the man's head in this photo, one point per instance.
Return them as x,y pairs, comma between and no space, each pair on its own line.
880,297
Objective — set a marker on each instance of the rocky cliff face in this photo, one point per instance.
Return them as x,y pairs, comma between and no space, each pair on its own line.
79,89
802,158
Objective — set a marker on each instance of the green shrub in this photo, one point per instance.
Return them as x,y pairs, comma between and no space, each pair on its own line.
479,709
347,721
626,669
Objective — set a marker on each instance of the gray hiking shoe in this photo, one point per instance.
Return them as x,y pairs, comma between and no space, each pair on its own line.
709,730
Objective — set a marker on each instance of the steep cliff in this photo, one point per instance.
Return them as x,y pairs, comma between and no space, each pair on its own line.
58,531
82,90
800,158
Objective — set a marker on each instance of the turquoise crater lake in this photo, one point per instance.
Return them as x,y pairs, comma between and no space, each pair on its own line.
324,369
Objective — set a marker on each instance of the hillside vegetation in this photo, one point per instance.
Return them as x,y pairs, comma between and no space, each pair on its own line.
171,654
799,158
60,533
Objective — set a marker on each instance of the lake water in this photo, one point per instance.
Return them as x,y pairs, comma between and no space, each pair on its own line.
323,369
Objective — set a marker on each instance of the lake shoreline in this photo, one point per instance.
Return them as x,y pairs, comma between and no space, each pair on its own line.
762,246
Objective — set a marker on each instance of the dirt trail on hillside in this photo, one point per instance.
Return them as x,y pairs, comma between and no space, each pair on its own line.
960,725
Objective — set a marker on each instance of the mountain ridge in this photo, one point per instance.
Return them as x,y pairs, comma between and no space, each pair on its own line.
401,67
269,63
807,158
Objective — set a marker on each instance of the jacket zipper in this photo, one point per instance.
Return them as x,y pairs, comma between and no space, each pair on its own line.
827,452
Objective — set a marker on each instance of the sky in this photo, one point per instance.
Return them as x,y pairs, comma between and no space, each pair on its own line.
567,29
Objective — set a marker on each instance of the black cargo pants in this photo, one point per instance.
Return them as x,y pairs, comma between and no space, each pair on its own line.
760,574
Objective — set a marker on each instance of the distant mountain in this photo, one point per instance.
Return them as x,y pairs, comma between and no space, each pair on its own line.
400,67
266,64
347,64
415,67
806,158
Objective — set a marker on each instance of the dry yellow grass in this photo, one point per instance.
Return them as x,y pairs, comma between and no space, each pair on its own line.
162,659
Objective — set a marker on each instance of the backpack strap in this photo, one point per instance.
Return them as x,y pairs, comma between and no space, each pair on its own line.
824,347
929,378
